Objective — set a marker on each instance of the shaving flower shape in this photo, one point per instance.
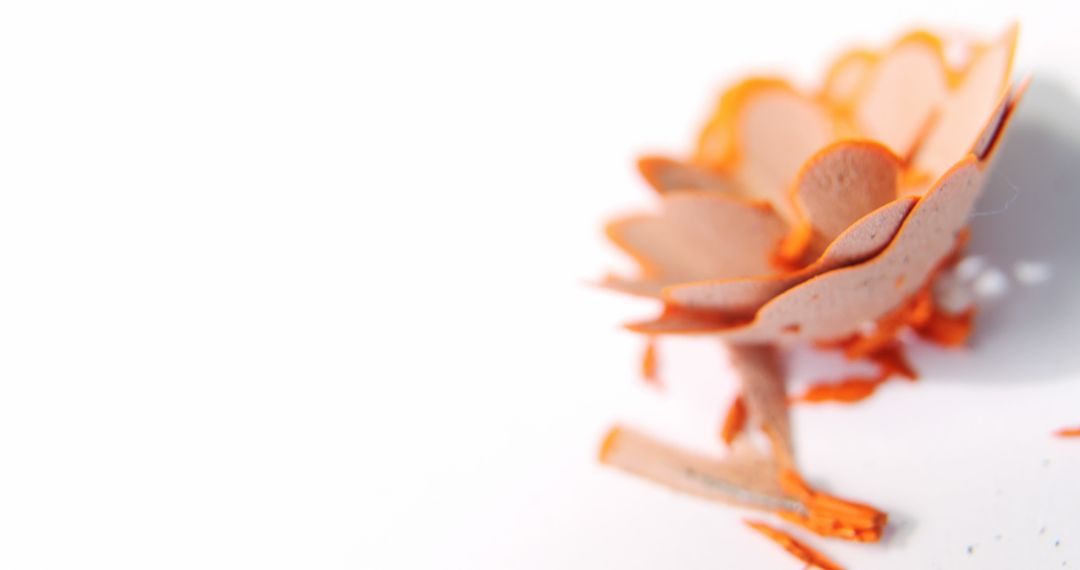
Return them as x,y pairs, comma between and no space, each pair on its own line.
817,216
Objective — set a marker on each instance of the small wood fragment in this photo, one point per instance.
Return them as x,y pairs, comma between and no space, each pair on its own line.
804,553
649,367
734,421
1068,432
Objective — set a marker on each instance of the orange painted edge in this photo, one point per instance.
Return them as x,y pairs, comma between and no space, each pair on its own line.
869,56
723,122
1014,99
954,76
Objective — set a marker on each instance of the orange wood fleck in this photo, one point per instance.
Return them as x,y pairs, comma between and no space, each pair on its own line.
1068,432
890,361
790,253
734,421
812,558
847,391
649,368
948,330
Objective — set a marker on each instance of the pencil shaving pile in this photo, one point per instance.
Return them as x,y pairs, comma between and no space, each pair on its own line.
820,217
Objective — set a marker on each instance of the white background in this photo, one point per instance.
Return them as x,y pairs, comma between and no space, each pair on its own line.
303,285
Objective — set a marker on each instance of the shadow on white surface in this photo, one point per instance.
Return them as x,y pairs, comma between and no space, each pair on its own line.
1029,212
